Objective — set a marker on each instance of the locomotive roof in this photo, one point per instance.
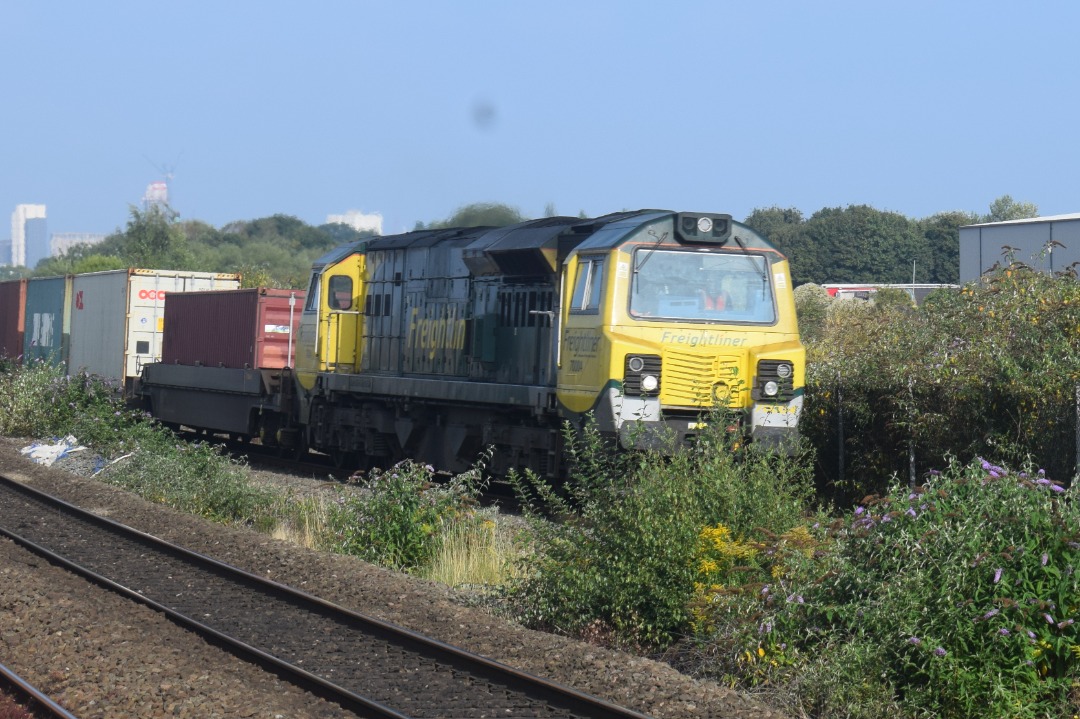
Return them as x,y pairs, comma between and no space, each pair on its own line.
542,237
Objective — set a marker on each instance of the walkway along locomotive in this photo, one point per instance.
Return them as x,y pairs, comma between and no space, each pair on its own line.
437,344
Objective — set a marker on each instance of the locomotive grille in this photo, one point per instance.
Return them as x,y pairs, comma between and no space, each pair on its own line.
698,380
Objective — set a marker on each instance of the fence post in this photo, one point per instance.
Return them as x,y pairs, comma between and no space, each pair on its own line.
911,433
840,429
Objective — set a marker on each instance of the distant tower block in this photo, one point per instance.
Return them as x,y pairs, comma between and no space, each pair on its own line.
19,219
157,195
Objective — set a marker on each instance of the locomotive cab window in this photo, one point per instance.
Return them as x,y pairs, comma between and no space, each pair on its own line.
339,295
312,304
589,286
691,286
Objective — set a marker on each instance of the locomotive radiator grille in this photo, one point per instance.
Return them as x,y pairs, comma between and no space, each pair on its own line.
699,380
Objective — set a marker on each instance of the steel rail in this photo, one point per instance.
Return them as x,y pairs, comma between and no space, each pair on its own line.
34,696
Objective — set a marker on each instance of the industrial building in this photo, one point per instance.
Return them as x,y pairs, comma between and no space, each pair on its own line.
1049,244
866,291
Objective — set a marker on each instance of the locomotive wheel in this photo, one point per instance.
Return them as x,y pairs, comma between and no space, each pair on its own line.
296,452
345,459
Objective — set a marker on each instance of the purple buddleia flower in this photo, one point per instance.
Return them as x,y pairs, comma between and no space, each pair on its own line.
940,651
914,640
1048,618
1045,558
997,575
991,613
911,513
1003,632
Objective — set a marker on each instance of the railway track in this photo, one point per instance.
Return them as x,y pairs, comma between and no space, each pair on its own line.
34,702
370,667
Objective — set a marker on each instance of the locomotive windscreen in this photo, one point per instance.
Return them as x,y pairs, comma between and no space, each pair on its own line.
685,285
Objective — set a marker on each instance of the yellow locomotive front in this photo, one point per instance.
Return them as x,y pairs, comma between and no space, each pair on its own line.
672,314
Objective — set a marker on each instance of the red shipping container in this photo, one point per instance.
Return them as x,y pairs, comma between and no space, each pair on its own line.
247,328
12,318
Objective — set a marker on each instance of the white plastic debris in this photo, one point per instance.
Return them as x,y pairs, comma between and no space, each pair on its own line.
47,454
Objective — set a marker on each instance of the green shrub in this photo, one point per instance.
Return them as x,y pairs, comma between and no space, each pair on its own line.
396,522
194,477
990,369
39,401
958,598
618,560
812,307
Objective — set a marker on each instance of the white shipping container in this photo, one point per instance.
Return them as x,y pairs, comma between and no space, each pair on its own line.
117,317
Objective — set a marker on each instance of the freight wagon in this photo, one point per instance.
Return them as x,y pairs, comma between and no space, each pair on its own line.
437,344
12,319
47,318
222,359
117,317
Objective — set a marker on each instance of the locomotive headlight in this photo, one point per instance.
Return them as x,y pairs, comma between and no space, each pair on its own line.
771,388
783,371
641,374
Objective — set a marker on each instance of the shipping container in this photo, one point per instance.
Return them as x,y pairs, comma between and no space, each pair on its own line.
12,318
118,316
241,329
47,319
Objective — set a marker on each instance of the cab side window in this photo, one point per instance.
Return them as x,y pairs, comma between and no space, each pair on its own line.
312,303
339,296
589,286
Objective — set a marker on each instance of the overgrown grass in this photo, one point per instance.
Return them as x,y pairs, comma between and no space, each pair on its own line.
40,401
476,552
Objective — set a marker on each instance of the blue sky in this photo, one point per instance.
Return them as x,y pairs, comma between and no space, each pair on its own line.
412,109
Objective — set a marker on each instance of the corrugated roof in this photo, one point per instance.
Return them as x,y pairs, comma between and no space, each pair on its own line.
1029,220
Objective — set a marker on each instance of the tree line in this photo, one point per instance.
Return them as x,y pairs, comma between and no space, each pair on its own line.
857,243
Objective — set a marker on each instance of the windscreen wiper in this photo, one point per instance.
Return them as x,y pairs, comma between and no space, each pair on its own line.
659,240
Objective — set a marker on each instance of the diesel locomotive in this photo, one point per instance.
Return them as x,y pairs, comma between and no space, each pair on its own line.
438,344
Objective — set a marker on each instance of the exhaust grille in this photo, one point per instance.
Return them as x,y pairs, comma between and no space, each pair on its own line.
698,380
